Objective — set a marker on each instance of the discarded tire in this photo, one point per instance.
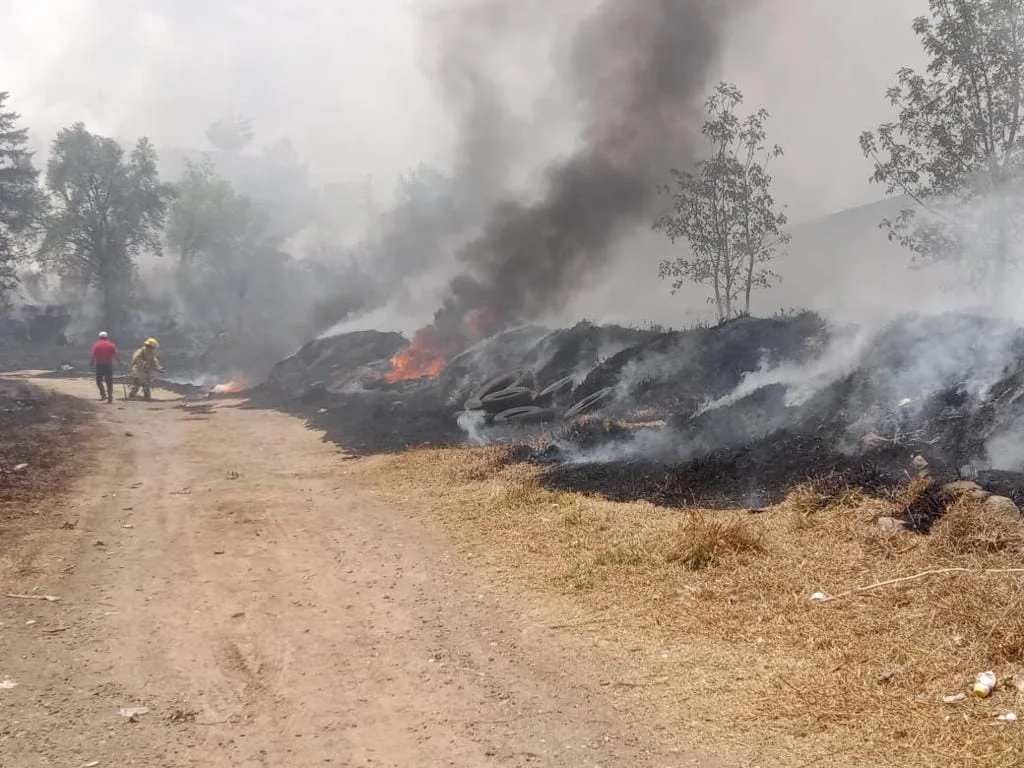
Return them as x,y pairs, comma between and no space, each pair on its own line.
557,389
526,414
589,403
512,397
517,378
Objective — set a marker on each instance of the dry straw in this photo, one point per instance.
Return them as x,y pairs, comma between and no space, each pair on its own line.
715,606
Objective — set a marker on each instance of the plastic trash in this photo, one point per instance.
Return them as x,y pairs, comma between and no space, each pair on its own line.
955,698
984,684
1009,717
819,597
6,685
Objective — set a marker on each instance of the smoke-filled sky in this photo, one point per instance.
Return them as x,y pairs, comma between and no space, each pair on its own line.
353,84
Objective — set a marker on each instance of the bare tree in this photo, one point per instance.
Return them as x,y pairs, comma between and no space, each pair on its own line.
724,210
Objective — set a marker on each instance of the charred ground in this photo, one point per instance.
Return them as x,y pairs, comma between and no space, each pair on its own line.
726,416
41,435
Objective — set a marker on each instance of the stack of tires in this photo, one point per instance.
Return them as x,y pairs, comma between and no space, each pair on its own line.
513,398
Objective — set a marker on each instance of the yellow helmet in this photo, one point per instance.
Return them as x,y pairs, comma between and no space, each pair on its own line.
151,342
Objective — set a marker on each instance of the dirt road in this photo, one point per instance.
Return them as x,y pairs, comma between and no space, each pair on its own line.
217,571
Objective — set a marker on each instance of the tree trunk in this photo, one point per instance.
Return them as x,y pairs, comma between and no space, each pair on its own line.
108,308
729,285
108,296
716,279
1002,254
750,250
750,283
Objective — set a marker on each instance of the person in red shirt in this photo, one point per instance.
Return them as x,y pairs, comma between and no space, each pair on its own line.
104,353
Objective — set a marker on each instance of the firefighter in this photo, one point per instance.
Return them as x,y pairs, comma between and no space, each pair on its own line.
144,362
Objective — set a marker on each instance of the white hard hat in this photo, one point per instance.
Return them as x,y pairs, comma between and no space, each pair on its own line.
103,334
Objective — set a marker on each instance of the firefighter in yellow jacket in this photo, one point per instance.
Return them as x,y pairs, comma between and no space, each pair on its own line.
144,363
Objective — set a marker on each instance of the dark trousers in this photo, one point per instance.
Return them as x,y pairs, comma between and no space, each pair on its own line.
105,376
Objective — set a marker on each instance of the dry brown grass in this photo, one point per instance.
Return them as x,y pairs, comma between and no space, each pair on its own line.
716,605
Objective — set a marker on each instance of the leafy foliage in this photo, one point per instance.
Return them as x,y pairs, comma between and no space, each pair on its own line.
207,217
230,273
724,209
107,209
21,201
957,146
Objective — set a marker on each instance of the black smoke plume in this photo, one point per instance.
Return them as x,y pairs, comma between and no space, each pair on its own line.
638,71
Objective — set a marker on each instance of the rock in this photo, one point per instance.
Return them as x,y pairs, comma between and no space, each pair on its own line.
871,440
965,488
133,713
891,524
1004,507
921,465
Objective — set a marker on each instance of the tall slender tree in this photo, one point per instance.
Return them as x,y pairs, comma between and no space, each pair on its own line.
724,210
21,201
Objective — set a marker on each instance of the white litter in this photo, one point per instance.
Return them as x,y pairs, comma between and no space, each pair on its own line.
818,597
132,712
955,698
1009,717
6,685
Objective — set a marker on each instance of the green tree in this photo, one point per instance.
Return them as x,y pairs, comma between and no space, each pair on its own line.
21,201
107,209
206,218
956,148
227,263
724,210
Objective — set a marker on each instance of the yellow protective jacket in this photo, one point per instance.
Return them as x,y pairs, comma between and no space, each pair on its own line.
144,362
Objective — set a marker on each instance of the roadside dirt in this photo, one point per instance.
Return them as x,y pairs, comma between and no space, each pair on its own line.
221,571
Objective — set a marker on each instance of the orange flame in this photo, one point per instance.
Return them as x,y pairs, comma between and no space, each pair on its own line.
421,358
229,387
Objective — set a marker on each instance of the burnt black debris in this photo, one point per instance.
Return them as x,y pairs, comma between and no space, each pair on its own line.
732,415
750,476
335,363
943,388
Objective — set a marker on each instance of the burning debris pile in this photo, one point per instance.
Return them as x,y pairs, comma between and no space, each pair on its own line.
945,390
730,415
